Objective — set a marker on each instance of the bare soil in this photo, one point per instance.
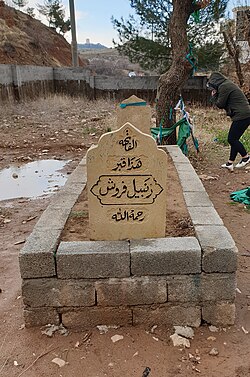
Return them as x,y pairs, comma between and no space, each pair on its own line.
64,128
178,221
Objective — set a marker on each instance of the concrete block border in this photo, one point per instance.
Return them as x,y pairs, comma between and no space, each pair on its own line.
164,281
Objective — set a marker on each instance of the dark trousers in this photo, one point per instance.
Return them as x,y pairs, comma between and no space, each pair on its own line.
237,129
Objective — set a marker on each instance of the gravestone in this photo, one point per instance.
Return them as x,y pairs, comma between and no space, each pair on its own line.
126,180
137,112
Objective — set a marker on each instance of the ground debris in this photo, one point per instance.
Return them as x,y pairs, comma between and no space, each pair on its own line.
185,331
146,372
179,341
60,362
51,329
103,329
244,330
213,328
214,352
19,242
116,338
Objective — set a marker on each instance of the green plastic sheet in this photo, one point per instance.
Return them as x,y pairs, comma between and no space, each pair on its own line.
241,196
183,134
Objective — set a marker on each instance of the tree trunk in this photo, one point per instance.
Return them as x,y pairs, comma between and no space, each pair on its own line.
234,52
171,82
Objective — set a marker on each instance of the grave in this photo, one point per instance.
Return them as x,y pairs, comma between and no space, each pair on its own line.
128,272
127,178
135,111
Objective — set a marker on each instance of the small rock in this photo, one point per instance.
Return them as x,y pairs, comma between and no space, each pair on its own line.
244,330
185,331
15,175
180,341
213,328
116,338
211,338
60,362
214,352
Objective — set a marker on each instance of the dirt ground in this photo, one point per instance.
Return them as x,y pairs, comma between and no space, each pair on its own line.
63,128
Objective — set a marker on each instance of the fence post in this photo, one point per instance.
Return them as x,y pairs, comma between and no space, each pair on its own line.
15,82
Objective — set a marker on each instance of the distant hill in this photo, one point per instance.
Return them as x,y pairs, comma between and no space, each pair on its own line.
87,46
25,40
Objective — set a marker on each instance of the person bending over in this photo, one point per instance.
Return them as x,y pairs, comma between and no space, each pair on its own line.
228,96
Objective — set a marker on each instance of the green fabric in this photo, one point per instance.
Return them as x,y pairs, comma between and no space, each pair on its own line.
229,97
123,105
183,134
241,196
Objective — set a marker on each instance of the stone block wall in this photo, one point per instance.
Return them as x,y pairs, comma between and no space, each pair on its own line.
22,82
163,281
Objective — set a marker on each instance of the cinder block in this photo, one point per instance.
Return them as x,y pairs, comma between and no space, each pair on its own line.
40,317
199,198
57,293
163,256
184,167
204,216
167,315
218,287
201,288
64,199
131,291
36,258
219,314
91,317
79,175
219,253
190,181
53,218
176,153
93,259
83,162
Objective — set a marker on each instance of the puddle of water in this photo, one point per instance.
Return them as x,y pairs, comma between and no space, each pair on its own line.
32,180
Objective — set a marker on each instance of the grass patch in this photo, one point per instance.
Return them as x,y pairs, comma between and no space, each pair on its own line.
221,138
79,214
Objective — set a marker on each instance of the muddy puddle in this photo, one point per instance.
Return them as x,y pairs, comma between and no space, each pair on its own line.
32,180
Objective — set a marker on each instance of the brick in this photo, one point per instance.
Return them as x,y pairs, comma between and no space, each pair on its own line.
36,258
91,317
201,288
219,314
167,315
131,291
40,317
163,256
204,216
219,253
93,259
197,199
57,293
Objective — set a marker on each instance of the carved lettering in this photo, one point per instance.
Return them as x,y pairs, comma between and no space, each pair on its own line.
126,189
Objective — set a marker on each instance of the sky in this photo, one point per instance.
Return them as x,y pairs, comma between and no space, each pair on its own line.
93,17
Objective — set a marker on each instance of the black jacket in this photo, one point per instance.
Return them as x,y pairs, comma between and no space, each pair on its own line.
229,97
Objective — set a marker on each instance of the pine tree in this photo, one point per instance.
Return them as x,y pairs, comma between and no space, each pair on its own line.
145,37
54,11
20,3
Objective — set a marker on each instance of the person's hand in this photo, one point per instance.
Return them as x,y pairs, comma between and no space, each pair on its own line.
214,92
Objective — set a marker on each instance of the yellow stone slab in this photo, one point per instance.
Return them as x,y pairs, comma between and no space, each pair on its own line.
126,181
139,116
